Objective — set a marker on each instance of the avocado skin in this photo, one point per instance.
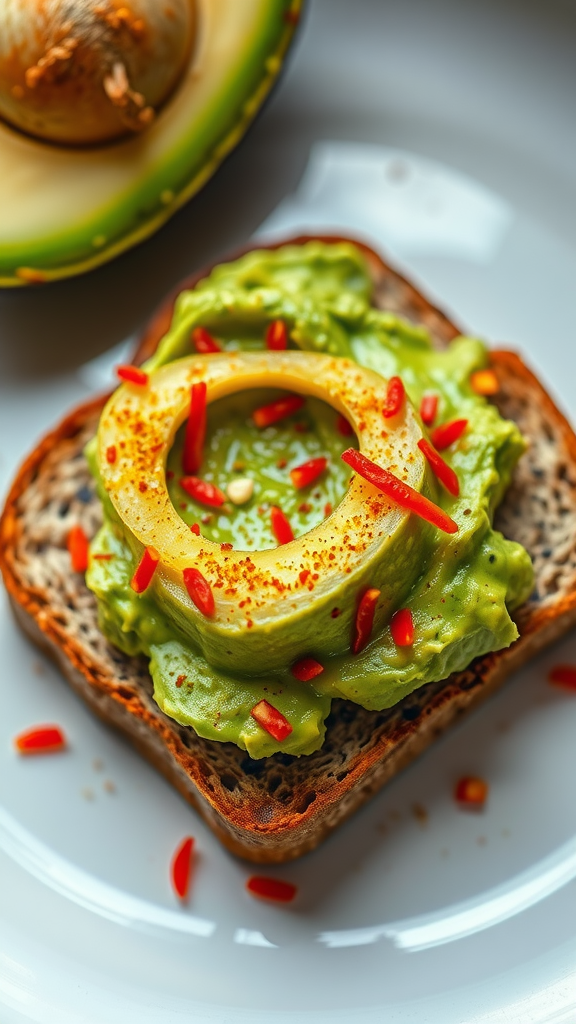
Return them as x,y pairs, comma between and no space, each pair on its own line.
52,228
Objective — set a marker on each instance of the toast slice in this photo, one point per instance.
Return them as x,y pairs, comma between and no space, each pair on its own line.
281,807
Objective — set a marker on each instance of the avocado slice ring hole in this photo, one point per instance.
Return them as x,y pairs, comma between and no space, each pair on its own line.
254,469
268,603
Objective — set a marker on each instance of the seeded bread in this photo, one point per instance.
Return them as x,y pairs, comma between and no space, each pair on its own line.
281,807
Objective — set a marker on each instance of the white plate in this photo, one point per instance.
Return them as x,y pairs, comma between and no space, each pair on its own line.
401,917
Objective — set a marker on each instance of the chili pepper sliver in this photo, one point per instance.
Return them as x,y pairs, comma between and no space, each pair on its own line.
199,591
471,792
266,415
271,888
271,720
180,867
308,472
398,491
111,454
429,408
563,675
195,528
204,342
441,469
402,628
484,382
364,619
280,526
394,398
306,669
277,336
203,491
145,570
132,375
77,544
447,433
43,739
195,429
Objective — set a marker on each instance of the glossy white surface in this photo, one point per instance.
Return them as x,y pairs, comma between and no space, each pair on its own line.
401,917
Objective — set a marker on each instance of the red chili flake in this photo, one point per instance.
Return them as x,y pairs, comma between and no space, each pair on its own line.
441,469
402,628
271,889
266,415
484,382
281,464
306,669
344,427
111,454
43,739
132,375
471,792
301,427
364,619
401,493
170,474
563,675
77,544
280,526
202,491
429,407
226,547
181,679
103,558
271,720
308,472
328,509
195,529
204,342
395,395
303,576
143,486
305,507
277,336
195,429
145,570
335,613
447,433
180,867
199,590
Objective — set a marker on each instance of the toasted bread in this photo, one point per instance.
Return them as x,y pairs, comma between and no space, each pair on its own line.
281,807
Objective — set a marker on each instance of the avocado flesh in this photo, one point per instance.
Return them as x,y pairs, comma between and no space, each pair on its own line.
262,601
465,584
214,703
64,211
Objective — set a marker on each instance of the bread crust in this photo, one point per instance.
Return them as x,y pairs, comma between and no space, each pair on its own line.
275,810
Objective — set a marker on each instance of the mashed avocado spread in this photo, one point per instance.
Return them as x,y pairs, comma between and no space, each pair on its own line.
459,587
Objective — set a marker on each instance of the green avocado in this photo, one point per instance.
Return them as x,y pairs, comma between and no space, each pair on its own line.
65,210
460,588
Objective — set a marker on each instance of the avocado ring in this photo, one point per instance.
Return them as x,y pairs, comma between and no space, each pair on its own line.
264,599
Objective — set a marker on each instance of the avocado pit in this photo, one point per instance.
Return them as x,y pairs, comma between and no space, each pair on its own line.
81,72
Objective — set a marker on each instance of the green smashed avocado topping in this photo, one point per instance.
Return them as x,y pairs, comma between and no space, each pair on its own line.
469,581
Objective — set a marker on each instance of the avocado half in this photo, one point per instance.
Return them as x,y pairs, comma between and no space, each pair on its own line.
65,210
